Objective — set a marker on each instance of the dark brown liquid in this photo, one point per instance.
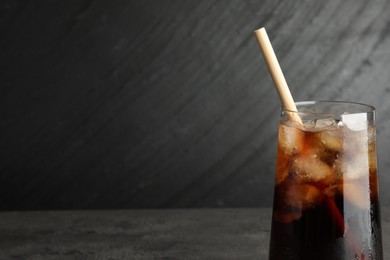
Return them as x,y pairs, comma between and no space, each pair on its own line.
319,234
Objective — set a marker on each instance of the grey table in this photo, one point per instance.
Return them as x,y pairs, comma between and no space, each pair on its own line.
142,234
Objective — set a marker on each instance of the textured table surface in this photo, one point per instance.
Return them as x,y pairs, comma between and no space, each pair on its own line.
142,234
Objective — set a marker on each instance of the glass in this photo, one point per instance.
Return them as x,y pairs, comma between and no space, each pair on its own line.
326,187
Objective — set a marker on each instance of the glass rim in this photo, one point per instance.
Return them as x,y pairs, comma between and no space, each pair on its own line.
365,109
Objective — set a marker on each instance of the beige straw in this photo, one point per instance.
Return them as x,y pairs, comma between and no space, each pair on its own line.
276,74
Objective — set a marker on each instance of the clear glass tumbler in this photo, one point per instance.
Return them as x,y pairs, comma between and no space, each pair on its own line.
326,187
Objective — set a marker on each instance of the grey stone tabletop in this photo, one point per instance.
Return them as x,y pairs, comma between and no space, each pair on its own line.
142,234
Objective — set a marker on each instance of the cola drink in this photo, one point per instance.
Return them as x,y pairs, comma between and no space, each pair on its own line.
326,202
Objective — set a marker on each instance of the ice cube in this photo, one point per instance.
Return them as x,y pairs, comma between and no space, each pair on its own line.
310,195
332,139
290,139
356,193
311,168
309,124
353,168
355,122
324,122
301,196
356,141
293,198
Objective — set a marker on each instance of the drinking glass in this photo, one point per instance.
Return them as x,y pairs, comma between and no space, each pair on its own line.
326,187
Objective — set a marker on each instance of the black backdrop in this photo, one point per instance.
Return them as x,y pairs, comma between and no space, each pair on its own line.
139,104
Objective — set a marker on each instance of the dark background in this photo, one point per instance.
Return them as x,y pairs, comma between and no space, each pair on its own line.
144,104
